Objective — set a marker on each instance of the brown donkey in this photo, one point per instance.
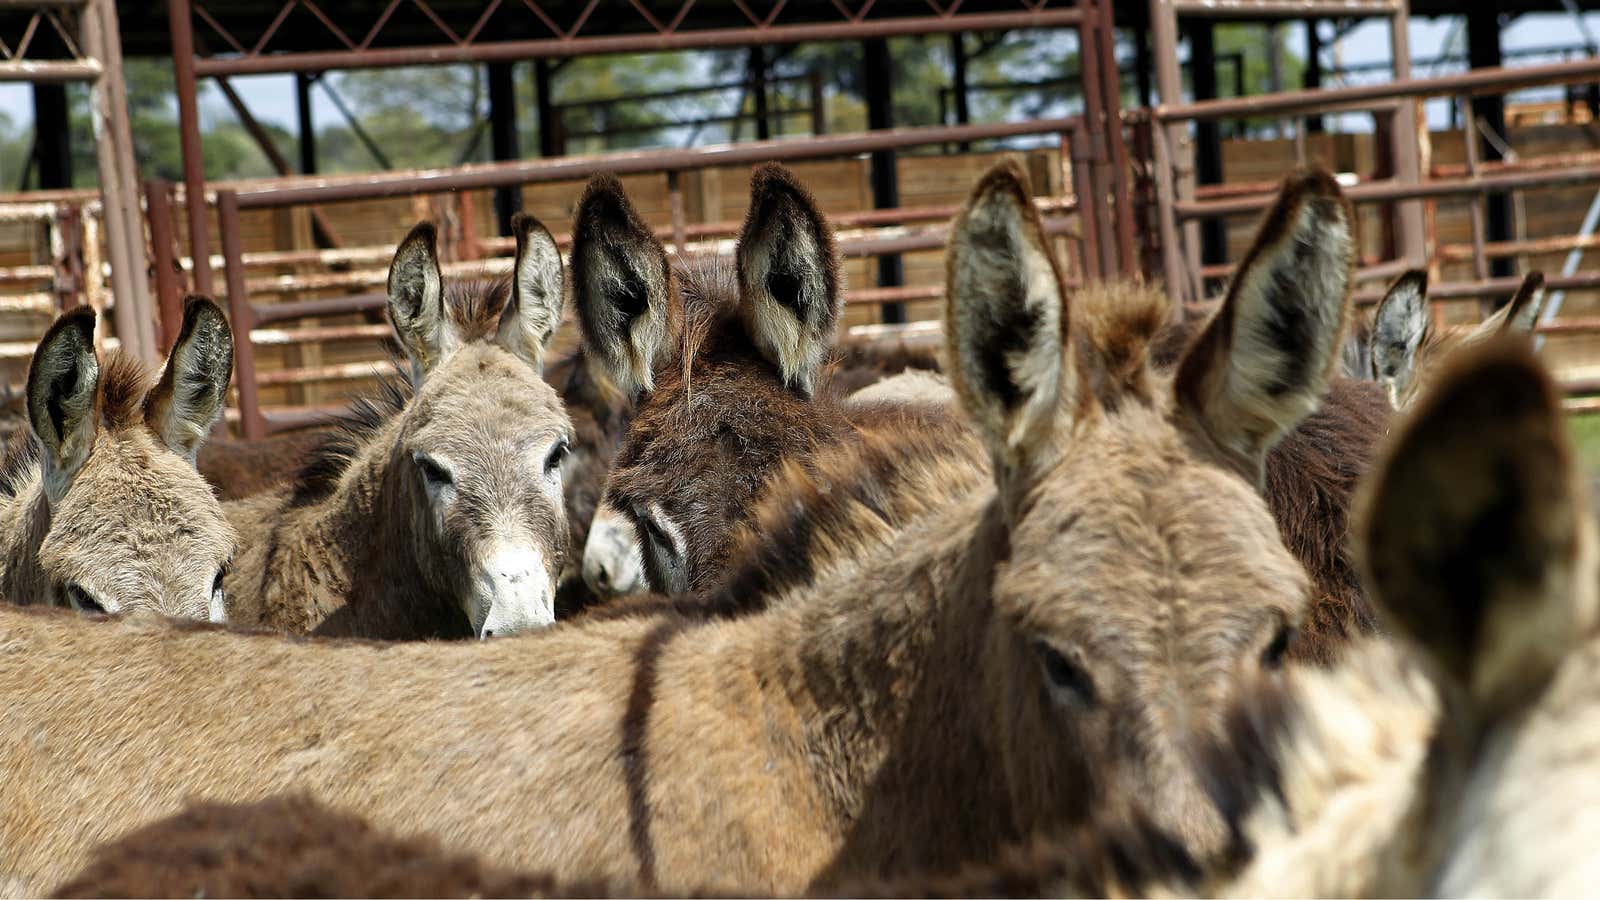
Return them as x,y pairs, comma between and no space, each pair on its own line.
437,511
1054,635
729,364
100,504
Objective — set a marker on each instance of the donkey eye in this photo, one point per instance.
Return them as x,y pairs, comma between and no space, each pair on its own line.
558,455
435,474
1063,674
1272,657
82,601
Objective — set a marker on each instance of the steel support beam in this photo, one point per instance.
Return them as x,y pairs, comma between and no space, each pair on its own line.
1208,136
878,83
1311,75
550,137
503,145
181,26
307,127
1483,51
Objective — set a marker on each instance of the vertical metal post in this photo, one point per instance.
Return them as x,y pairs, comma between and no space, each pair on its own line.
756,83
1411,227
1141,62
163,259
958,82
1483,50
308,130
52,145
680,228
241,316
181,27
113,93
1116,145
503,139
1480,263
878,75
1208,134
1076,146
1311,75
1174,173
1098,216
819,104
66,251
549,126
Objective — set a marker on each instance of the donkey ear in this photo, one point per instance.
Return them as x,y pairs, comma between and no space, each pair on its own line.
1475,534
538,293
61,388
622,284
416,300
1518,316
1005,317
193,389
1398,330
1267,355
788,276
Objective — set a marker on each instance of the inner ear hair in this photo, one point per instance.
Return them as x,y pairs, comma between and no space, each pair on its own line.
416,298
193,390
788,276
622,284
62,379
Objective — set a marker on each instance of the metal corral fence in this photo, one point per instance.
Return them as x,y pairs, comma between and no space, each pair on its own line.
864,234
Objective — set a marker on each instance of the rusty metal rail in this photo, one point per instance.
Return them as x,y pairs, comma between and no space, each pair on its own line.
879,232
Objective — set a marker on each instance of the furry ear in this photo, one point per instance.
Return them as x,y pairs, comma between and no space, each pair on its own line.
416,300
1005,318
538,293
1264,360
788,276
1520,314
1474,532
193,389
622,283
1398,332
61,395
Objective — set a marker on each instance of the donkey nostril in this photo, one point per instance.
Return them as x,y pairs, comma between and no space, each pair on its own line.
488,633
603,576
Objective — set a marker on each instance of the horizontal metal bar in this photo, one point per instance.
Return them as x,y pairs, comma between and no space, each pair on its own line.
265,314
1491,80
1288,9
50,70
1489,287
1391,189
341,372
321,334
496,175
688,39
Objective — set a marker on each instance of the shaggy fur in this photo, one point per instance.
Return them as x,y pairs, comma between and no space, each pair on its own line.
403,521
295,847
1052,638
239,468
100,503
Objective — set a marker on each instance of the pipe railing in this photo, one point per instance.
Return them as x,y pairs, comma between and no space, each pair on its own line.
887,232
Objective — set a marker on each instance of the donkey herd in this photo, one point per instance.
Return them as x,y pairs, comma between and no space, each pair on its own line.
1097,600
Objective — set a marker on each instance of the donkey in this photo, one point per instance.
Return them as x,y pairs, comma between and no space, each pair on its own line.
729,366
721,413
1460,761
437,510
1050,632
1399,345
101,508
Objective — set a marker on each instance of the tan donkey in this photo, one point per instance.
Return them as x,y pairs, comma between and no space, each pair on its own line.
101,507
930,691
437,511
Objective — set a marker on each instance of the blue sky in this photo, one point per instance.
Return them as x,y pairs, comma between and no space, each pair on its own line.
271,98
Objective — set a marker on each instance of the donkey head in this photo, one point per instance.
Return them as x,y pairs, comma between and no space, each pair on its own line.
1144,568
475,473
131,524
725,364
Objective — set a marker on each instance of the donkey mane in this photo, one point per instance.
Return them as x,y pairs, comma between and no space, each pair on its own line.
121,391
326,462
